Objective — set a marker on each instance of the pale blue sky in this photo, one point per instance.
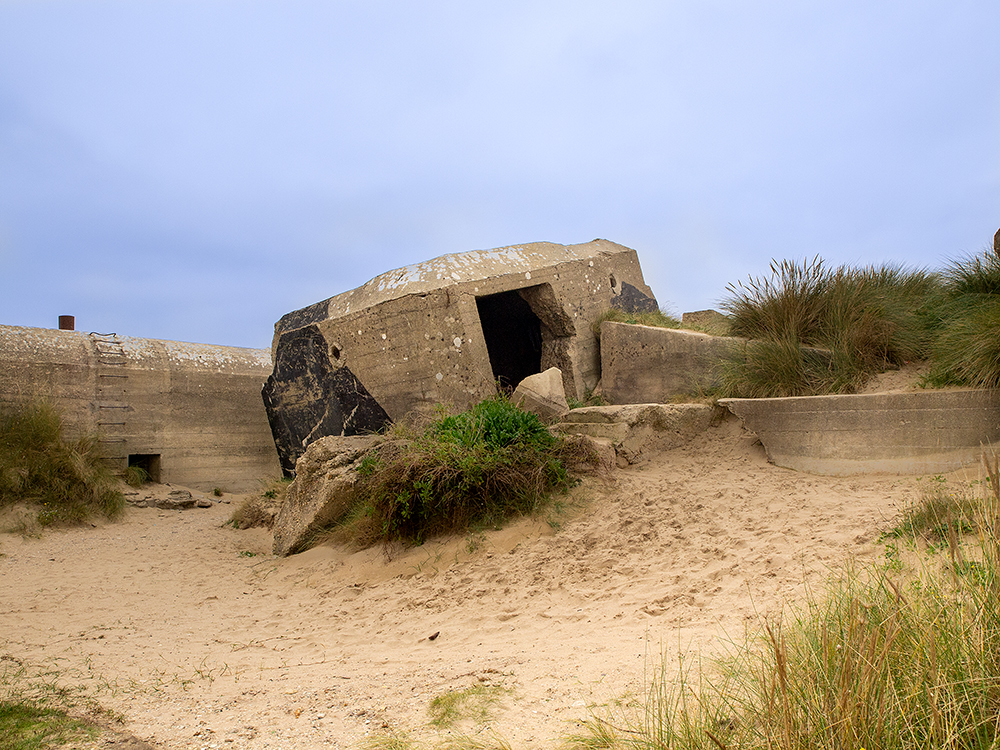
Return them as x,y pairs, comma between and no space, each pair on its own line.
193,170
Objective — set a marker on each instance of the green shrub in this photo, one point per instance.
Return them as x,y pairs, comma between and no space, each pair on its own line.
39,465
476,468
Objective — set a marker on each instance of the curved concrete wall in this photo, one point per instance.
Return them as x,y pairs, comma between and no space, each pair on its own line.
928,432
197,406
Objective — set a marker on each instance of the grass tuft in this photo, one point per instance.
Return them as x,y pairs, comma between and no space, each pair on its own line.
868,320
65,479
37,713
26,726
135,476
390,740
477,704
260,509
966,350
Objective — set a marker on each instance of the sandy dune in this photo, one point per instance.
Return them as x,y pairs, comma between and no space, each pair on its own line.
202,639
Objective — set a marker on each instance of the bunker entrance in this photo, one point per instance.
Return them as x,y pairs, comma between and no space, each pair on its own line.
513,336
148,462
526,331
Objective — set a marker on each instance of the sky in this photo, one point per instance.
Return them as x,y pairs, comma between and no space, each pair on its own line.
192,170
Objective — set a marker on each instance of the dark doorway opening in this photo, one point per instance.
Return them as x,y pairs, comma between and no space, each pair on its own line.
513,336
148,462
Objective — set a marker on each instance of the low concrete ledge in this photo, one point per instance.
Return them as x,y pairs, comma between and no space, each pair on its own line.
928,432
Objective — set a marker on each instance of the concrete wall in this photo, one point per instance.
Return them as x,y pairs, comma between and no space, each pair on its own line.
415,337
197,406
649,365
928,432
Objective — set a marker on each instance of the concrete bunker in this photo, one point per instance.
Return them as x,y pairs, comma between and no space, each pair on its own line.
444,332
185,413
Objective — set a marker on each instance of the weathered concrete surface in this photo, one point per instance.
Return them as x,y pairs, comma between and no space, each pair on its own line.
305,398
444,331
645,364
323,489
542,394
639,430
899,433
196,406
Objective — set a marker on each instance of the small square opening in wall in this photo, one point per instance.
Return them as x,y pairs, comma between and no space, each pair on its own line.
148,462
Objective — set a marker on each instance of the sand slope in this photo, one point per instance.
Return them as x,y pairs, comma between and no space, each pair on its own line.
201,639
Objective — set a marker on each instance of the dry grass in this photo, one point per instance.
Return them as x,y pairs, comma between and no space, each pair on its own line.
260,509
477,704
65,479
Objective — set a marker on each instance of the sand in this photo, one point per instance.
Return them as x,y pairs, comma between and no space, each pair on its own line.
201,639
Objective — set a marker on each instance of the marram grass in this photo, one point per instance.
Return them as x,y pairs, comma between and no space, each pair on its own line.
64,478
866,320
817,330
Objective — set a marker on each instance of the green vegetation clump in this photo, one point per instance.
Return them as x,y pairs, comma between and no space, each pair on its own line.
814,330
39,465
26,726
473,469
902,654
37,712
135,476
817,330
940,517
477,704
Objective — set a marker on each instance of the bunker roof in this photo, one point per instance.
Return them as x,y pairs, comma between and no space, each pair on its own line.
447,270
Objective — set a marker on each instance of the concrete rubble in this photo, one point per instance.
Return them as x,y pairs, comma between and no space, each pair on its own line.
159,496
325,476
637,431
542,394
